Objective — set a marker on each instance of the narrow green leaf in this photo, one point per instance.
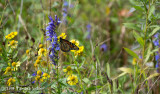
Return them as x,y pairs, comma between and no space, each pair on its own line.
153,26
155,50
154,31
152,75
108,69
132,26
127,70
138,38
152,9
148,53
119,75
131,53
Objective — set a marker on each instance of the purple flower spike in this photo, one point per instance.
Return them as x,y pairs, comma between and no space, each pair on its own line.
50,32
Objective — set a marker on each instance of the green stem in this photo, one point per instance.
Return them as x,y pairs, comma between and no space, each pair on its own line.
79,76
58,85
145,38
145,33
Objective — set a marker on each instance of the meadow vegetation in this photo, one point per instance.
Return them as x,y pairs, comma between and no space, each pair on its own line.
79,46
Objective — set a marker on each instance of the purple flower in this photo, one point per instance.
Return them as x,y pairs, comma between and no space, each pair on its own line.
89,31
156,35
103,47
156,42
65,11
157,65
157,57
33,82
50,32
34,74
140,57
88,27
65,3
71,6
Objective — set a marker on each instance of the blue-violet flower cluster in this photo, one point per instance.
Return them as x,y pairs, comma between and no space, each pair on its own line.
157,56
52,37
65,8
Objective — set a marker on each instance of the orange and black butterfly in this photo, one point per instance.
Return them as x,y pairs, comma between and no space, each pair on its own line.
66,46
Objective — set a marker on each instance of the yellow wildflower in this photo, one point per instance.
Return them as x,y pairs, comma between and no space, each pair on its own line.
38,78
8,36
13,43
27,51
8,69
72,80
39,57
80,51
76,42
38,61
11,35
10,81
42,51
14,64
68,70
108,10
36,65
63,36
44,63
39,72
41,80
40,45
17,65
46,75
134,61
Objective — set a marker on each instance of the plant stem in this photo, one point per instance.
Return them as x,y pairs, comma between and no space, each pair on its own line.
145,38
145,33
58,85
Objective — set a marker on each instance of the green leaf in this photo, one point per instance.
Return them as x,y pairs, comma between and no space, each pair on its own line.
127,70
86,80
93,88
138,38
108,69
155,50
153,26
152,75
132,26
148,53
154,31
138,8
119,75
152,9
131,53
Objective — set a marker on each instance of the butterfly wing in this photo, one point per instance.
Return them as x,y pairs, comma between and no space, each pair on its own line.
66,46
73,47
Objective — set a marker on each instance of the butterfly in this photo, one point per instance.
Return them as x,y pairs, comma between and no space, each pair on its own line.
66,46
